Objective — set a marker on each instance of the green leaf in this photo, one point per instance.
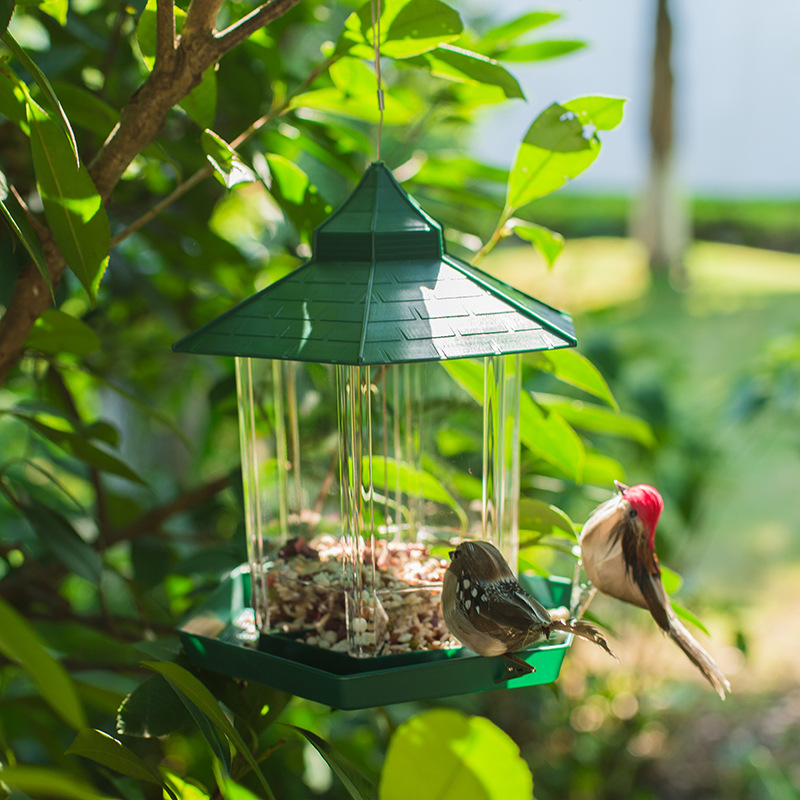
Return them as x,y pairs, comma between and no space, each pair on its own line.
57,9
201,103
456,64
399,107
547,242
41,781
184,683
20,224
601,470
12,99
672,580
599,419
56,332
110,752
229,169
556,148
542,518
87,110
358,786
408,28
184,789
559,130
547,434
296,195
78,446
450,756
413,482
570,367
542,431
19,643
57,534
687,616
47,91
539,51
6,10
508,31
71,202
605,113
231,790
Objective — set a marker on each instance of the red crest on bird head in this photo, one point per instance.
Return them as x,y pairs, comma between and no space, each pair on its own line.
648,504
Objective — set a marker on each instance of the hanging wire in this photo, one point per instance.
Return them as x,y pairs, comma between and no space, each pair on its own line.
375,10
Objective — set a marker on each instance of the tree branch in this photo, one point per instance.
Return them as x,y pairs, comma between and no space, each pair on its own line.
201,17
248,25
165,35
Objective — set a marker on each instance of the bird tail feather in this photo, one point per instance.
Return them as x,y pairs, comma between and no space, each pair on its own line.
583,629
698,656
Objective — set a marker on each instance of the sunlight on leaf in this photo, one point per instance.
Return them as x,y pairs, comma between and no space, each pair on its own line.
448,755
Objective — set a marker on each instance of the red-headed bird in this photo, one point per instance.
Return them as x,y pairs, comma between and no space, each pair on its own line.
619,558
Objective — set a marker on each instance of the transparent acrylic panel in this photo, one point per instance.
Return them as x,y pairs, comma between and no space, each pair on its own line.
358,480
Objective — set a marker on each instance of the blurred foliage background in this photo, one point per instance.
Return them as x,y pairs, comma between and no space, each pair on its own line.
120,504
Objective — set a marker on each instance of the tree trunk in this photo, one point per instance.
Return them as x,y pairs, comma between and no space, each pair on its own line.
662,221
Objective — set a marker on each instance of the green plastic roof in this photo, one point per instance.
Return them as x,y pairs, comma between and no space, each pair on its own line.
380,289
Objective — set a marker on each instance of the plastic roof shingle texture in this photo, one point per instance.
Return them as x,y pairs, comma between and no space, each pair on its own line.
380,289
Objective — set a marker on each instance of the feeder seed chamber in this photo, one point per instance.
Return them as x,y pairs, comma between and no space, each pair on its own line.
378,388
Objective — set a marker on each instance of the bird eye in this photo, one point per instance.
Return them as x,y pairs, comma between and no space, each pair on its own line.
632,513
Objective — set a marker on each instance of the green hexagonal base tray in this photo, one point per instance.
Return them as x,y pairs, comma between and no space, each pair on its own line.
215,638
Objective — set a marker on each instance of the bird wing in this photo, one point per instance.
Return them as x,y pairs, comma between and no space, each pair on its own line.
505,605
641,563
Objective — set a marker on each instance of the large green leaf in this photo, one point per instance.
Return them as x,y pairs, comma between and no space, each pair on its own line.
450,756
6,10
464,66
296,195
57,332
507,32
358,786
408,28
544,519
12,99
560,144
186,685
110,752
413,482
548,435
71,202
573,368
47,92
545,433
39,781
598,419
57,9
540,51
603,112
86,110
201,103
57,535
19,643
19,223
81,448
399,107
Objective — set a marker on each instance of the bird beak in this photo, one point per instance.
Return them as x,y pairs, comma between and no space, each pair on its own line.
621,487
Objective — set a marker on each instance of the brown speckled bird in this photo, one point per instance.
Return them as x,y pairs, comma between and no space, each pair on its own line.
487,610
619,558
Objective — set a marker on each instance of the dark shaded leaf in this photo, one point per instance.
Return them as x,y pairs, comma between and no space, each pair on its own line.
6,10
56,332
63,541
19,223
152,709
110,752
78,446
358,786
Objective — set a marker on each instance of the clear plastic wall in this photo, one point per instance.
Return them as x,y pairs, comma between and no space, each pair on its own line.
357,482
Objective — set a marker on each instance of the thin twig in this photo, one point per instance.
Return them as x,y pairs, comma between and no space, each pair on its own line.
249,24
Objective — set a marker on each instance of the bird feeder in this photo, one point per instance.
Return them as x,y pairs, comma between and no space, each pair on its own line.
378,388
